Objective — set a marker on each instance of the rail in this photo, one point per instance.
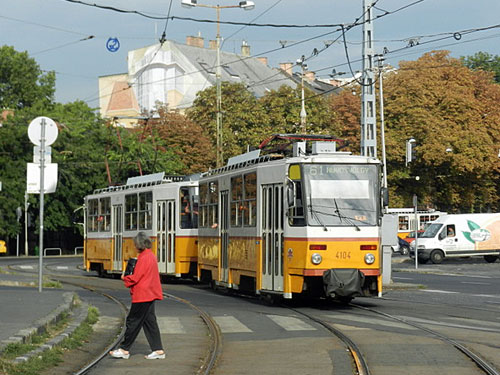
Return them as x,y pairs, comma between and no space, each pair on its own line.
77,248
52,249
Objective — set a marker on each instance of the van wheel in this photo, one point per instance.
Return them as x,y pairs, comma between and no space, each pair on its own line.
437,256
490,258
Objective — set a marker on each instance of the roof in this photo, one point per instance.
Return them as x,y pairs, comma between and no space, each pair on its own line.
258,77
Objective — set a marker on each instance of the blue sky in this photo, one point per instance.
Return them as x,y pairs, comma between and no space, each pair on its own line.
51,31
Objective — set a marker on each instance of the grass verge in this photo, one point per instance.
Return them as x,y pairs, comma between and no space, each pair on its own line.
48,358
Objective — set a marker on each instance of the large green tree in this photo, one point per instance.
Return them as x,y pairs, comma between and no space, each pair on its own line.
484,61
452,112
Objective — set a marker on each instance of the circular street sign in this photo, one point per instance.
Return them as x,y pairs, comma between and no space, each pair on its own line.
113,44
35,131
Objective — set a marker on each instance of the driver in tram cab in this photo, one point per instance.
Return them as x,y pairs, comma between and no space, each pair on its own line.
186,219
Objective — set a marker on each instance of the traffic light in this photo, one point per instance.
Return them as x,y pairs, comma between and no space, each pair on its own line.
411,154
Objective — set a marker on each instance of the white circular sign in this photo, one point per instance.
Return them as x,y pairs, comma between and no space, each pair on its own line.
35,131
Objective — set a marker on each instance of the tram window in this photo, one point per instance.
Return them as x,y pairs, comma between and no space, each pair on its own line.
104,219
213,201
404,223
93,214
296,213
188,211
131,212
145,210
250,203
203,205
236,201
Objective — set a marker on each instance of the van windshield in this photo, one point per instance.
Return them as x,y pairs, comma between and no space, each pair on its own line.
431,231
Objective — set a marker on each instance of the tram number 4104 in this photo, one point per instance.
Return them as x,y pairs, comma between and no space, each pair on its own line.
343,255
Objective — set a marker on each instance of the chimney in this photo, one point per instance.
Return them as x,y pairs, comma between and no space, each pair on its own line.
245,49
263,60
310,76
195,41
212,44
286,67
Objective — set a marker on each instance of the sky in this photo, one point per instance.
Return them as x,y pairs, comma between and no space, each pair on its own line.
56,33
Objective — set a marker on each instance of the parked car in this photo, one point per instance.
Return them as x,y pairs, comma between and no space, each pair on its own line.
402,247
411,236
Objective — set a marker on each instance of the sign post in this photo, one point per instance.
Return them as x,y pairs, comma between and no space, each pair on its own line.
415,202
42,131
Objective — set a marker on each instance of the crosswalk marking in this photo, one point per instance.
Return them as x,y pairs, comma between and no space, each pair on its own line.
361,319
473,321
289,323
229,324
26,267
170,325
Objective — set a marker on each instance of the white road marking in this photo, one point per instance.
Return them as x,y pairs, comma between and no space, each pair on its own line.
289,323
378,322
229,324
402,278
344,327
438,291
170,325
445,324
26,267
62,267
474,321
474,283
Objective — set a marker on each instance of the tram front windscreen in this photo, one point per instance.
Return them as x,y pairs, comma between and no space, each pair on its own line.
341,195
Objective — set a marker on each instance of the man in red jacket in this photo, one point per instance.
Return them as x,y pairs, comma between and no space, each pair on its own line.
145,289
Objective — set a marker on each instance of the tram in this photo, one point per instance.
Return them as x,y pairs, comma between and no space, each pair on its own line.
165,208
406,219
301,219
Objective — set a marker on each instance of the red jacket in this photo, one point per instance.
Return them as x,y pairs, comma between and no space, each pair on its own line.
144,283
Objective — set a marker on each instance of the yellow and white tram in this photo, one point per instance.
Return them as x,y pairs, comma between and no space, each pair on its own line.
308,223
164,208
407,223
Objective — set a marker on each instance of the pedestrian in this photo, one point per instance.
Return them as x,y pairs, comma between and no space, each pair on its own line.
145,289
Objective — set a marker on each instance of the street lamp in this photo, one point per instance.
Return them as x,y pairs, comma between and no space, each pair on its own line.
303,113
246,5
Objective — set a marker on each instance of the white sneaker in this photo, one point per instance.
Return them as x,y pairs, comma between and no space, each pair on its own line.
155,355
119,353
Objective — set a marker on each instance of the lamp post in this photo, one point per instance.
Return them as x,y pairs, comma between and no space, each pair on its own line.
303,113
246,5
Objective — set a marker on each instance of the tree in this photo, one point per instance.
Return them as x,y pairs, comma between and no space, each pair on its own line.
483,61
241,116
185,138
22,82
346,111
444,106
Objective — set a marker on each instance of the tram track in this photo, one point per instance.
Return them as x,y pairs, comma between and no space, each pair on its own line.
481,363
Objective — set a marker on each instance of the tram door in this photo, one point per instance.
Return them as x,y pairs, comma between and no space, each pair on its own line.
272,237
165,231
224,235
117,226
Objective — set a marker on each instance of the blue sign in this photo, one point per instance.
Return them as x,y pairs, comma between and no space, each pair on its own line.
113,44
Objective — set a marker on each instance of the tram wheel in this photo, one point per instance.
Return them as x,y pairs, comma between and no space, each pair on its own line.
437,256
491,258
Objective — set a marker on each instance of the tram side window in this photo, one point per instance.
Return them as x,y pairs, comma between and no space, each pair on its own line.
213,195
188,209
104,219
131,207
250,202
203,221
294,193
93,215
236,201
146,210
404,223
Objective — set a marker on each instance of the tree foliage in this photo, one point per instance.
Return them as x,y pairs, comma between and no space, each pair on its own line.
444,106
484,61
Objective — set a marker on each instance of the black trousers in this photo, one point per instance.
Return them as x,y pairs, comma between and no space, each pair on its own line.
142,315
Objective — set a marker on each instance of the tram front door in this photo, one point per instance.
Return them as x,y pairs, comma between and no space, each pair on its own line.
272,237
117,228
165,231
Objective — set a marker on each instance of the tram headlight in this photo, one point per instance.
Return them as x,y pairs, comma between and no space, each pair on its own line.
369,258
316,258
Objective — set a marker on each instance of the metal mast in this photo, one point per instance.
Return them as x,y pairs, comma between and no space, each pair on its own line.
368,117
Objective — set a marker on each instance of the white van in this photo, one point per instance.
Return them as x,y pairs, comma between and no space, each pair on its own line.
460,236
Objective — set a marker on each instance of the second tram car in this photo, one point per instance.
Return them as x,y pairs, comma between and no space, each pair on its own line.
306,224
406,219
164,208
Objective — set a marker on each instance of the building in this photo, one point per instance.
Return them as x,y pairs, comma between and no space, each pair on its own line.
172,73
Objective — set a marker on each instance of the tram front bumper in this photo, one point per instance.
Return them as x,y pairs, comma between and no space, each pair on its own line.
343,282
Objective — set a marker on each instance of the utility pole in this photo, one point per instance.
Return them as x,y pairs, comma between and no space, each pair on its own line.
368,116
303,113
382,123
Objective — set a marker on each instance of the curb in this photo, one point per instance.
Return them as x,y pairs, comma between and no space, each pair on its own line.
40,326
